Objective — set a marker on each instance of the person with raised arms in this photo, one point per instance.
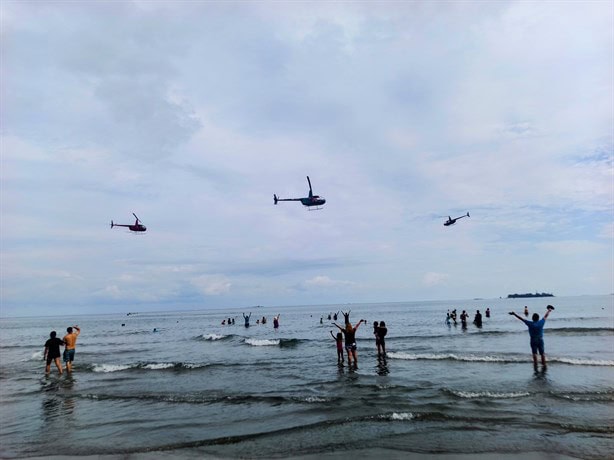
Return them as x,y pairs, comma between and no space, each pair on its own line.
536,331
350,339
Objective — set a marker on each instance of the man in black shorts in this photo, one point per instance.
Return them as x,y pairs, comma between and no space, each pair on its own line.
52,352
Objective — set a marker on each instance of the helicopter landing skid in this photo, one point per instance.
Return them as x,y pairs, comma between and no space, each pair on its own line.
314,208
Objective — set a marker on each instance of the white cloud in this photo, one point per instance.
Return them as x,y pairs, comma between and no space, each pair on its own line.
212,285
434,279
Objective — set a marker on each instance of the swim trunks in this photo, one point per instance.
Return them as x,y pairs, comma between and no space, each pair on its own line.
69,355
350,347
537,345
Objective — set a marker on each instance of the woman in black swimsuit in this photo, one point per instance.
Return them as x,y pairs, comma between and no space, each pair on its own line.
350,340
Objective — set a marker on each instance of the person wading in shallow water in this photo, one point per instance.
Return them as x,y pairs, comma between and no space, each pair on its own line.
70,340
536,331
52,352
350,340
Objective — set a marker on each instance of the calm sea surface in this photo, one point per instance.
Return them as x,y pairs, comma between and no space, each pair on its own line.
198,388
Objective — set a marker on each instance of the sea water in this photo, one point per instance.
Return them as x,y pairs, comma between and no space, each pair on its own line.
194,387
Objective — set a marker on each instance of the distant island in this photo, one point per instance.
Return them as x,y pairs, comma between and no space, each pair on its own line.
529,294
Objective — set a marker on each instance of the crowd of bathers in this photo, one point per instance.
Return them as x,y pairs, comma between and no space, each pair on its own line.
451,318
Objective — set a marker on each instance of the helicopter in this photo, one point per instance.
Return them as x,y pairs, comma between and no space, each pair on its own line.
451,221
311,200
137,227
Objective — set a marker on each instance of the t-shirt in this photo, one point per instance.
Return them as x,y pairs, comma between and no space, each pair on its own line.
381,332
53,346
536,328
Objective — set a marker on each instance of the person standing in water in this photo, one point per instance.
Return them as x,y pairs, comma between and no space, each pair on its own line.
526,311
276,321
339,341
246,318
488,312
70,342
350,340
536,331
52,352
382,330
477,320
375,327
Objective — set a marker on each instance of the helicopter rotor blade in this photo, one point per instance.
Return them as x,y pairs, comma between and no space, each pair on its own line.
310,190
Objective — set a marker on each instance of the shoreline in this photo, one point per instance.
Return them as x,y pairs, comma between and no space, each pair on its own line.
369,453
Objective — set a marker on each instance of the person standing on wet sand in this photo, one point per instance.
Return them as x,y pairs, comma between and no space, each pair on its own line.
70,340
52,352
536,331
350,340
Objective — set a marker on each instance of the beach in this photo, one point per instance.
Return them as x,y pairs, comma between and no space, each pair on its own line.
195,388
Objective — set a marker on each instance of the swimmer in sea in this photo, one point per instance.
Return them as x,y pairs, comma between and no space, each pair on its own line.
246,318
350,340
276,321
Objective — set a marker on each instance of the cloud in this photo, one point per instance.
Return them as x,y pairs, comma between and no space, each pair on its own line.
324,282
192,115
434,279
212,285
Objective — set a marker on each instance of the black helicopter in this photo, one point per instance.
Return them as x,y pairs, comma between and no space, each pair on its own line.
311,200
137,227
451,221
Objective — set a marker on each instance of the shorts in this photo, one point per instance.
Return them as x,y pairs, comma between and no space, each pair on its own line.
69,355
51,357
537,345
350,347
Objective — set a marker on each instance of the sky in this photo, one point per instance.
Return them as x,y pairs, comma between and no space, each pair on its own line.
193,114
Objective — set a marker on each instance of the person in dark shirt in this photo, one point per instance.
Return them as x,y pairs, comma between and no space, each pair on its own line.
382,330
536,331
52,352
478,319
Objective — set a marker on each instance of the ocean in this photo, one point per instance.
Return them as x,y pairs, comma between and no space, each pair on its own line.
199,389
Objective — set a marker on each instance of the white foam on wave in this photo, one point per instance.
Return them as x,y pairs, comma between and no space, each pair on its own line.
213,337
110,367
315,399
488,394
398,416
155,366
451,356
37,356
262,342
584,362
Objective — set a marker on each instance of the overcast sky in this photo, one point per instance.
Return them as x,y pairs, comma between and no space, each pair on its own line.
192,114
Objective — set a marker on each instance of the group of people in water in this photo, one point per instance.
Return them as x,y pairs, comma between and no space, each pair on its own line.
246,318
344,339
347,334
464,316
52,349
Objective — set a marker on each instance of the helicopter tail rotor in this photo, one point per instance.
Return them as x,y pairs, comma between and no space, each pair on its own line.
111,224
468,214
275,199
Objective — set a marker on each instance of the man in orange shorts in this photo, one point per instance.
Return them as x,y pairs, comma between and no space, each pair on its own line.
70,340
